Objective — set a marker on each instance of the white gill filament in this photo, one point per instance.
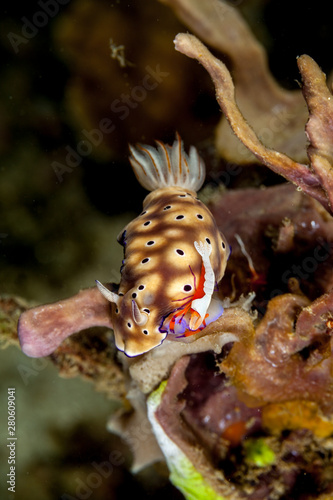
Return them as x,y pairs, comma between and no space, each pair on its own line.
167,166
111,296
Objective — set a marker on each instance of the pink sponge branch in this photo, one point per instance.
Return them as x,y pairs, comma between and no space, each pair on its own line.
42,329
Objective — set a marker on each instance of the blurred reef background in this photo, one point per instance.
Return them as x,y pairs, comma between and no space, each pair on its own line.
78,83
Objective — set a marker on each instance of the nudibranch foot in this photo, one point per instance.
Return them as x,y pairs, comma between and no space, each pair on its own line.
177,325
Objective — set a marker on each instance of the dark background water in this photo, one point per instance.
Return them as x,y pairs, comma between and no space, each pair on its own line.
58,227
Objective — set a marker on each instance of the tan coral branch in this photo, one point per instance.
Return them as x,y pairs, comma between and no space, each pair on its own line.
295,172
319,128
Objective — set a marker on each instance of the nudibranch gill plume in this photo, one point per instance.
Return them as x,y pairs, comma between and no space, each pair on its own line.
174,254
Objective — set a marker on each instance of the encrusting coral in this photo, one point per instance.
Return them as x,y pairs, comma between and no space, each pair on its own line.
281,360
280,226
209,437
242,409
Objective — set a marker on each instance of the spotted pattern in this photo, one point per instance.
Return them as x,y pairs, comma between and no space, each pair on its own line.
161,265
174,253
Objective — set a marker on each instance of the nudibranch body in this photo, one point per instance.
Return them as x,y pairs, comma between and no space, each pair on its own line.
174,254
